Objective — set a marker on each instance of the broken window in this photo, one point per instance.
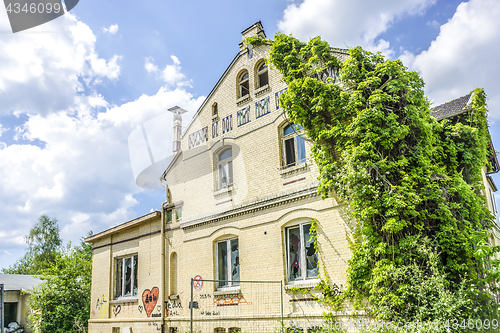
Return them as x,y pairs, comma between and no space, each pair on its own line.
302,258
228,263
126,277
294,148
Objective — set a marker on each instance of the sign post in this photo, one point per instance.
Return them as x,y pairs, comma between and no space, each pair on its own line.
2,318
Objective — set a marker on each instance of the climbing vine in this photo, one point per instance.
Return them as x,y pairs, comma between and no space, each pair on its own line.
420,247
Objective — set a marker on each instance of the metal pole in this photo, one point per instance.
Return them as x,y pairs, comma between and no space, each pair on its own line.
190,306
2,318
281,289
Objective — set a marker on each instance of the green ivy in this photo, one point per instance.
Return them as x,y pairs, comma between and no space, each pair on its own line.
414,185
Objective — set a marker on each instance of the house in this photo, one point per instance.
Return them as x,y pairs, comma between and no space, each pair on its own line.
16,298
233,241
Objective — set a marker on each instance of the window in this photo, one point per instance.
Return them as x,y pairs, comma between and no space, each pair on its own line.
302,258
214,109
224,168
169,216
294,148
262,77
219,330
228,263
234,330
116,330
178,213
243,84
126,277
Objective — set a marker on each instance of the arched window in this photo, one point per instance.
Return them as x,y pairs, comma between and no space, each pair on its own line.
294,148
173,273
215,110
243,84
224,168
262,76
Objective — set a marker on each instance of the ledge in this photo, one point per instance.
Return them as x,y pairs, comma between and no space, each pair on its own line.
293,169
223,192
262,90
228,291
301,285
124,300
243,99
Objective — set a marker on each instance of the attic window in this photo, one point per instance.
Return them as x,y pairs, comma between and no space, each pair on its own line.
262,77
243,83
214,109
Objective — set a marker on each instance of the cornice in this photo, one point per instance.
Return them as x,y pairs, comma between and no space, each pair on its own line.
282,198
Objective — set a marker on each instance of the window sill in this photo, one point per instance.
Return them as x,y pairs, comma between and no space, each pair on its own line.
223,191
228,291
243,99
285,171
304,284
215,117
124,300
262,90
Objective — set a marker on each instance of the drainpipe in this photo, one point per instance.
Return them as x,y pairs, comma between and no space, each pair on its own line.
1,309
163,245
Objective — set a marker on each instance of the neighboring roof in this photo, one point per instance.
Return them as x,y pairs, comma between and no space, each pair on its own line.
452,108
123,226
19,282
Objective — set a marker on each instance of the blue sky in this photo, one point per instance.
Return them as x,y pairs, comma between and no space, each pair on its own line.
74,90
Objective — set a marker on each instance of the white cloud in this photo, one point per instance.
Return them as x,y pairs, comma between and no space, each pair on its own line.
348,23
113,29
51,64
150,66
171,74
464,56
2,129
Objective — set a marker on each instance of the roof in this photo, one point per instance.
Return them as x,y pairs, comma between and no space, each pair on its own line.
123,226
19,282
452,108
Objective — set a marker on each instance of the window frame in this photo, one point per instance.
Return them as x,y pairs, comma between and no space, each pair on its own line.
297,133
219,163
230,284
134,280
259,72
303,278
243,82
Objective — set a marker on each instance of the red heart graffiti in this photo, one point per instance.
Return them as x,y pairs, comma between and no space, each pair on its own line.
149,299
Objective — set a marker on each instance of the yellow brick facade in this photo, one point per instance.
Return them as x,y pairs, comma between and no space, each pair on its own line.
264,199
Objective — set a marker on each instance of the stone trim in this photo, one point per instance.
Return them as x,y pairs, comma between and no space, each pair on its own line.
262,203
262,90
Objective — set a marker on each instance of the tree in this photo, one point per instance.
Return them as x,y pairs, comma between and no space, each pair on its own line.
420,246
61,304
43,243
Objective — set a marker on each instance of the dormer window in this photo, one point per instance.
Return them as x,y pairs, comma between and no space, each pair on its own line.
262,77
243,84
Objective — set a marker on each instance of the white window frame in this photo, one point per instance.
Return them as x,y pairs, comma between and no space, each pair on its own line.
122,278
218,169
294,136
230,283
304,278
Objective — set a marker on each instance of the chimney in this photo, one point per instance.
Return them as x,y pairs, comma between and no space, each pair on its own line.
254,30
177,111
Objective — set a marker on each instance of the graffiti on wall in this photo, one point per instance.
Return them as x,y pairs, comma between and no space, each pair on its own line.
230,300
101,307
149,299
117,309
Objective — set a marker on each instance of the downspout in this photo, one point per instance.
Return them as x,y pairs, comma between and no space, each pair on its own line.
163,245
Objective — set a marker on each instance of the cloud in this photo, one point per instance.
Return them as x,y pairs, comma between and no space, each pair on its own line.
348,23
113,29
150,66
171,74
2,129
52,65
464,55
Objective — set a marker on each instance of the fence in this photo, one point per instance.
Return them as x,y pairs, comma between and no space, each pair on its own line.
219,306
